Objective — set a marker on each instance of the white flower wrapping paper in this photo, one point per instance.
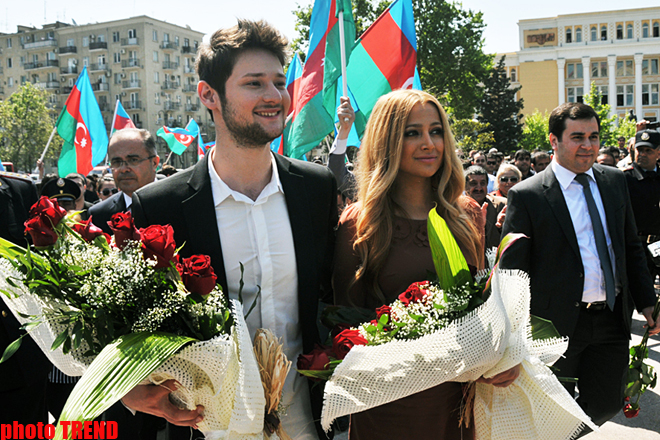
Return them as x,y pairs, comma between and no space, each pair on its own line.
493,338
222,373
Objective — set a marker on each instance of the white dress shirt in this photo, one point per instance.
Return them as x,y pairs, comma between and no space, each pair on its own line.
594,280
258,234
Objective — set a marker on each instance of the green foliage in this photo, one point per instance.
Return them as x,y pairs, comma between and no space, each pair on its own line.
25,125
535,132
471,134
450,42
448,259
607,123
501,110
627,128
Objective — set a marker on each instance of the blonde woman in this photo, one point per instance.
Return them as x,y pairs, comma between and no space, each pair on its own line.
507,176
406,167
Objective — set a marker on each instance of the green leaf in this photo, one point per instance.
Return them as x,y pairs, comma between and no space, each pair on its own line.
10,251
11,349
543,328
449,262
317,374
60,339
506,242
119,367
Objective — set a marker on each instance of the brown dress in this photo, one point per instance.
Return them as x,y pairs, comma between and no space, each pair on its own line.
432,414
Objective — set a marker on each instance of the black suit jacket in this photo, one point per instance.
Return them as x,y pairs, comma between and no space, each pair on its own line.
185,201
550,254
103,211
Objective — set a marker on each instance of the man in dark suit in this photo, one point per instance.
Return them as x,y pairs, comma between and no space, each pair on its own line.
242,204
586,264
133,160
23,378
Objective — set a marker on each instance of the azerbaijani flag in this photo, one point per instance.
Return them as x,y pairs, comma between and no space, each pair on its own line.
310,121
385,57
202,147
332,60
120,119
293,75
81,126
179,139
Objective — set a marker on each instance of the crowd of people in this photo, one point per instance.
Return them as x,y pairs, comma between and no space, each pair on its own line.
278,218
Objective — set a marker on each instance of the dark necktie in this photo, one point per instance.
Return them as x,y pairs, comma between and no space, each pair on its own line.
601,242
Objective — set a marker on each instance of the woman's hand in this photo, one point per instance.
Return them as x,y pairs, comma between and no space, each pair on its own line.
504,379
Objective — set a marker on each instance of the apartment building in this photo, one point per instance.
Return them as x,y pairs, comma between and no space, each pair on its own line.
146,63
561,56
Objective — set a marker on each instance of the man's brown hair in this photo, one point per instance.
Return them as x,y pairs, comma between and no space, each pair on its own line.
216,59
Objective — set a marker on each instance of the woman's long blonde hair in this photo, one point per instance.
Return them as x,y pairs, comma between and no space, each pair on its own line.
376,172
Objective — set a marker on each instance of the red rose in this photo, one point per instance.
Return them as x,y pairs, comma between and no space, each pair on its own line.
630,410
317,359
122,226
413,294
158,242
338,329
88,230
383,310
41,231
197,274
49,210
346,340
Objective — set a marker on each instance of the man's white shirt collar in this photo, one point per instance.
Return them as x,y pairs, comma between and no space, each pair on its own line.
221,190
566,176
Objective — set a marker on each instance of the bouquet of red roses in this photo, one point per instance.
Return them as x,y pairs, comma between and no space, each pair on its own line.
126,310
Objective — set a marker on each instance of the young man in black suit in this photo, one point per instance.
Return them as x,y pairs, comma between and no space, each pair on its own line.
586,264
133,159
243,204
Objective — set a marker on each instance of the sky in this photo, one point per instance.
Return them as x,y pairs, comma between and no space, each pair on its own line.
501,17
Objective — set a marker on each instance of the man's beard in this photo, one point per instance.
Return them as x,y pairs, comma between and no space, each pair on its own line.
250,135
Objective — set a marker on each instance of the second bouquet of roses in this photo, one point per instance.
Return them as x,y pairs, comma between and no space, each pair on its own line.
129,310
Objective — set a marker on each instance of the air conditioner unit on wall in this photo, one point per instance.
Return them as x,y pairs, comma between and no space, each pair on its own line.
108,74
62,79
123,93
123,75
123,51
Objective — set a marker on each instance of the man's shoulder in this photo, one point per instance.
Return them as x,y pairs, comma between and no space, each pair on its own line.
16,179
303,168
172,185
106,205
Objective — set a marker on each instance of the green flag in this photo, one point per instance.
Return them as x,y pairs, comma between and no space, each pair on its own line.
332,62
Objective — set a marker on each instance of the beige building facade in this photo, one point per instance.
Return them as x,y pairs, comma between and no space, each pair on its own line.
146,63
561,56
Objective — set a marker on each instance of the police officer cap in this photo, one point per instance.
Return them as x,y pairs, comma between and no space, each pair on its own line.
647,138
61,189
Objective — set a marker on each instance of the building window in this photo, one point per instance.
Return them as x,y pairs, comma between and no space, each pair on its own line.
155,56
85,61
569,36
176,40
132,33
23,79
117,57
574,71
603,33
603,90
100,38
154,35
625,96
156,77
655,97
629,31
578,35
599,69
85,41
619,32
10,81
115,37
10,64
70,42
186,42
575,94
157,99
654,66
624,68
594,33
117,78
166,37
656,30
513,75
9,42
578,70
645,30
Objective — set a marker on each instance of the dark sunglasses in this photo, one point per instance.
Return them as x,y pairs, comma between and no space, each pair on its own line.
108,191
508,179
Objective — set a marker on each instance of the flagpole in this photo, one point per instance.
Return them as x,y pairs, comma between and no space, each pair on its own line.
342,51
114,117
168,157
52,133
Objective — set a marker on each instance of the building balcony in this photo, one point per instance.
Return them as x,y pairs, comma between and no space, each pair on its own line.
169,45
188,49
32,66
40,44
105,107
135,84
170,65
101,87
67,49
192,107
65,90
52,85
132,105
169,85
190,70
129,42
130,63
171,105
97,45
189,88
72,70
95,67
138,124
2,90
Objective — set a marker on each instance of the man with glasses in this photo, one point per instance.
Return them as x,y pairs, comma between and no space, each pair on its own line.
133,160
476,184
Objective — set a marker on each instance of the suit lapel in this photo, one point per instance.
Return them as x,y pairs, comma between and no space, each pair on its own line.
201,224
296,197
555,197
120,203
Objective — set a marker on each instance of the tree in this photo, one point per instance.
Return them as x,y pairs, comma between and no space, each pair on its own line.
25,125
607,123
535,132
450,55
501,110
626,128
472,135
